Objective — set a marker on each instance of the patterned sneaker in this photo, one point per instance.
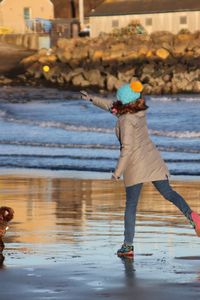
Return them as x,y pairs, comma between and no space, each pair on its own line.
125,250
195,221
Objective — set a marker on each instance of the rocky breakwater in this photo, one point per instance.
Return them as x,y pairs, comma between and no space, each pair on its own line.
164,62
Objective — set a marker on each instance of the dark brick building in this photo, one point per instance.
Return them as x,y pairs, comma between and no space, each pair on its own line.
70,8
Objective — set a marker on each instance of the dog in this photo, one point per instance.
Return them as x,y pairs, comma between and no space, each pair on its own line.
6,215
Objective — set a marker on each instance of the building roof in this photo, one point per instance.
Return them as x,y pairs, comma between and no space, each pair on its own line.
123,7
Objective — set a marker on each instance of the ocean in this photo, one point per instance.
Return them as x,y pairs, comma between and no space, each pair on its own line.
54,133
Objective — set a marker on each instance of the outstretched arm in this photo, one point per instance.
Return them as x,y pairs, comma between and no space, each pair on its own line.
105,104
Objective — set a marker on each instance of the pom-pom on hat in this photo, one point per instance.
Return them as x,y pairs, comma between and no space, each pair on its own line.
130,92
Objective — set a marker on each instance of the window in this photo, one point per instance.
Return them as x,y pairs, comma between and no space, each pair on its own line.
148,22
115,23
27,13
183,20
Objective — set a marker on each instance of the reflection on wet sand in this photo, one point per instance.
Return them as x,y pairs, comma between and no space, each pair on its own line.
56,218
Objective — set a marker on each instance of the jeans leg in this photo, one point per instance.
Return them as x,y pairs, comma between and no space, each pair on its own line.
132,197
168,193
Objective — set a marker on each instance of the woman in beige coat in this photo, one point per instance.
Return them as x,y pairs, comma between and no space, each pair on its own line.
139,160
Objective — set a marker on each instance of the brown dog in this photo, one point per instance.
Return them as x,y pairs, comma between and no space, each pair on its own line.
6,215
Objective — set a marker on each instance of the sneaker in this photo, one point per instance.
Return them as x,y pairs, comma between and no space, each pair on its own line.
195,221
125,250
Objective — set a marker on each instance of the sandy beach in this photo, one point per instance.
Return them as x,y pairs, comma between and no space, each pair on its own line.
67,228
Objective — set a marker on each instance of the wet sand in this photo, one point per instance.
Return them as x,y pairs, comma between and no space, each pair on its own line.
66,231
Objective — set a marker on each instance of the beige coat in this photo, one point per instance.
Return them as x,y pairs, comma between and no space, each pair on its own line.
139,160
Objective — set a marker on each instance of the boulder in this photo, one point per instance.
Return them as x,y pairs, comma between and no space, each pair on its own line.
162,53
118,47
43,51
112,55
79,80
30,59
97,55
79,53
63,43
112,83
130,55
64,55
94,77
179,48
126,76
48,59
4,80
196,86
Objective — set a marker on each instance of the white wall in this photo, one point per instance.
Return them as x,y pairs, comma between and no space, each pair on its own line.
160,21
11,12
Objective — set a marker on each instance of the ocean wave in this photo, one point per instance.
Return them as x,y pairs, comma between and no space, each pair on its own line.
176,134
77,128
175,98
162,148
3,113
87,157
59,145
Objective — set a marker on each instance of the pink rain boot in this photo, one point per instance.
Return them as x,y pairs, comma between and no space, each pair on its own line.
196,222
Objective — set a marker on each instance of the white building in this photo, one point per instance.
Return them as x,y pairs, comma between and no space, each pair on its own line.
15,13
153,15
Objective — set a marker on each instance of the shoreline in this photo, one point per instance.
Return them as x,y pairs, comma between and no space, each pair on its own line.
73,174
63,240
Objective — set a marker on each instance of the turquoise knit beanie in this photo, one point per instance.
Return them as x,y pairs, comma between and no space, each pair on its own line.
129,92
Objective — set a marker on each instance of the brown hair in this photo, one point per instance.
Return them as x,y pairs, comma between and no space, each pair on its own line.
119,108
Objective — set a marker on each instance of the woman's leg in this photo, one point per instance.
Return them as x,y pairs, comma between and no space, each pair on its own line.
132,197
168,193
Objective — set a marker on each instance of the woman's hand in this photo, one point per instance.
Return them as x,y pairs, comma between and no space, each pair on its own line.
85,96
115,178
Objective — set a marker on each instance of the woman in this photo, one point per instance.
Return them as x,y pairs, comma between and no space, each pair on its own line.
139,160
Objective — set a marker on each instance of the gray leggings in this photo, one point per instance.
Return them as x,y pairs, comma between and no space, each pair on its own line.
132,197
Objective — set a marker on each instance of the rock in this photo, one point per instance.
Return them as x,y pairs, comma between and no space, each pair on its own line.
196,52
123,77
97,55
5,80
76,72
66,76
48,59
184,37
148,69
78,80
128,56
143,51
113,83
163,61
118,47
94,77
64,55
167,88
63,43
162,37
30,59
43,51
149,54
196,86
79,54
162,53
112,55
166,78
35,70
179,48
